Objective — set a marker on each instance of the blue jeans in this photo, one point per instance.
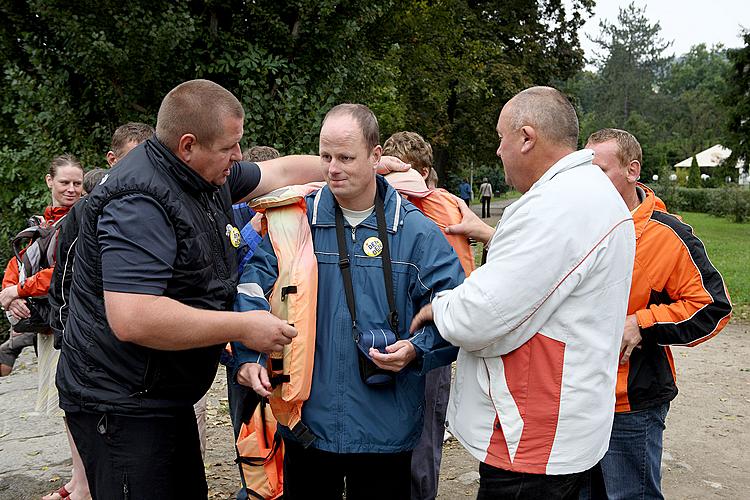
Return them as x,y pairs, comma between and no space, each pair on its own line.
632,465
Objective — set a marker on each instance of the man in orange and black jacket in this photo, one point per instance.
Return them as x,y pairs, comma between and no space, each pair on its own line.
677,297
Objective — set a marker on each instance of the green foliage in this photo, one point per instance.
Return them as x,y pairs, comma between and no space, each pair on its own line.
73,71
694,175
731,202
737,98
672,105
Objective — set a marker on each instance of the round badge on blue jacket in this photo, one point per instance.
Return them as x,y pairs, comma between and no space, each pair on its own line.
373,246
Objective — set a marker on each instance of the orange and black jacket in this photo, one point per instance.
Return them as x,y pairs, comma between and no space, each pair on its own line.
678,297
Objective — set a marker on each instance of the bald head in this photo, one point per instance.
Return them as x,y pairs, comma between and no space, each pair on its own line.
548,111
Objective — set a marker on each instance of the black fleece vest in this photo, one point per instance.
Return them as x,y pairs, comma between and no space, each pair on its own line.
97,371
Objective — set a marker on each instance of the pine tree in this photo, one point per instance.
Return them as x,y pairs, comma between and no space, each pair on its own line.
694,175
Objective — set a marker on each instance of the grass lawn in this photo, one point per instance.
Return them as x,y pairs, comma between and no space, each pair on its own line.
728,247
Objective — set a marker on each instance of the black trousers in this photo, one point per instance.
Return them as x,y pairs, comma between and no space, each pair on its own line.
499,483
311,473
486,206
140,458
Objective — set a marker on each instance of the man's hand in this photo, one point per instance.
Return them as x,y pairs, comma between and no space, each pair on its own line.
255,376
257,222
631,338
392,164
8,295
265,332
471,225
420,319
399,354
19,309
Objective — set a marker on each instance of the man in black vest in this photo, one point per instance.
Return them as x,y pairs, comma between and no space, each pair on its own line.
151,299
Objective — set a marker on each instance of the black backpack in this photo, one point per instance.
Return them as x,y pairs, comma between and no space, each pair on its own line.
34,248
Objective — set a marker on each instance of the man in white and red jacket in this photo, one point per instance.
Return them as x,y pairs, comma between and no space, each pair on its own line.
539,325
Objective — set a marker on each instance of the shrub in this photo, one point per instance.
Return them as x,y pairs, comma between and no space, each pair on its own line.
732,202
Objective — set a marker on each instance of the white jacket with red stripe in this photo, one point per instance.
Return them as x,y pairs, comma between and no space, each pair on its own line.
539,326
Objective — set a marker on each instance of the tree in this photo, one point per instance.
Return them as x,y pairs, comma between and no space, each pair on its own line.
737,98
74,71
630,63
694,175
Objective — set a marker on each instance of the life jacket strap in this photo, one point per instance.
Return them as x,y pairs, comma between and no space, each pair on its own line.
303,435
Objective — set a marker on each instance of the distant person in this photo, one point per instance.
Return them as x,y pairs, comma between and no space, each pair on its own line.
65,182
539,325
677,297
464,190
485,192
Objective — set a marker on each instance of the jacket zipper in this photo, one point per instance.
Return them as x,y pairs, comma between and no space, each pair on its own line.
217,247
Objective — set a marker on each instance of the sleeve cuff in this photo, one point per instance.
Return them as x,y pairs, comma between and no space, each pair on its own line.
645,318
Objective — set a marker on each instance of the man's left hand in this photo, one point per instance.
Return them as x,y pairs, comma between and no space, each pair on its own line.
631,338
399,354
392,164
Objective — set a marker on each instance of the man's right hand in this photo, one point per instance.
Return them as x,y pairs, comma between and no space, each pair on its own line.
471,225
19,309
264,332
255,376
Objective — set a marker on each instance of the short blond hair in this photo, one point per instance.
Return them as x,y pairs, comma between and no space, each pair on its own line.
260,153
196,107
410,147
628,147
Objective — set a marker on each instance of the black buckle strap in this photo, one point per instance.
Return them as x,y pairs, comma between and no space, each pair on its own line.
287,290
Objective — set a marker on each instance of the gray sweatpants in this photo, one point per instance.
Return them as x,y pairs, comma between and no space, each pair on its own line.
425,461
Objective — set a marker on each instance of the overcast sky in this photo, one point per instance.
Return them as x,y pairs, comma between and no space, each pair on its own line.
685,22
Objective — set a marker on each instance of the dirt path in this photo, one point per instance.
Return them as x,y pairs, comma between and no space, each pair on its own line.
707,441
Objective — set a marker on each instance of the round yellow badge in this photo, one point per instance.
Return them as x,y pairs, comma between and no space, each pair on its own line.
234,235
373,246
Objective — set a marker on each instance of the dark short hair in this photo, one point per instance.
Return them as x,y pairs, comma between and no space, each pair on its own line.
196,107
410,147
363,116
628,147
130,132
92,178
260,153
548,111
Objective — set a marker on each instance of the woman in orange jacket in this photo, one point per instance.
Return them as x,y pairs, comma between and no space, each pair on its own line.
65,181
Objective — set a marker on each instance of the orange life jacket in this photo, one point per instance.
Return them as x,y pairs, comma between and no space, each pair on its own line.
260,455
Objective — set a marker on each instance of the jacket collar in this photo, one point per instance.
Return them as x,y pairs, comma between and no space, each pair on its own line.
323,213
177,169
567,162
643,212
54,214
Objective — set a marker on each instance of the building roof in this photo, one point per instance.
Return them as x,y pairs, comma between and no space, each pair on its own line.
711,157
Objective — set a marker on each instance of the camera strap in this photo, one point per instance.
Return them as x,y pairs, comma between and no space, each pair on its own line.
345,263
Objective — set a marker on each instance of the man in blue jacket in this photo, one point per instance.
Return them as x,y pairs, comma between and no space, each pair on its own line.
362,433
